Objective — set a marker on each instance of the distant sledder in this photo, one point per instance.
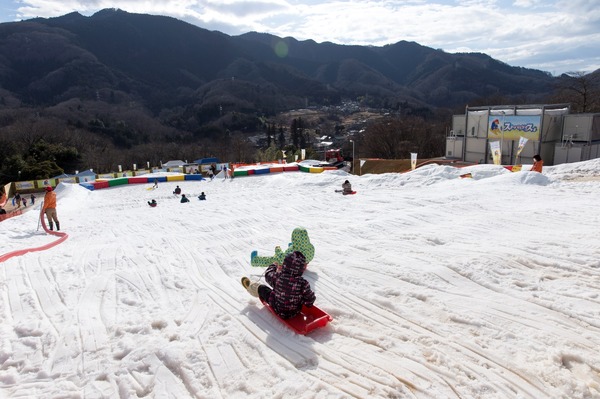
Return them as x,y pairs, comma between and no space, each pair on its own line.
346,189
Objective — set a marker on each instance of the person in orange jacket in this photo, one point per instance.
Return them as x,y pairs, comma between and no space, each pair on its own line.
50,208
537,164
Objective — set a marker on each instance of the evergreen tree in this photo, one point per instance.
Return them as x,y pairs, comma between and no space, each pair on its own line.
270,133
303,138
294,132
297,131
281,139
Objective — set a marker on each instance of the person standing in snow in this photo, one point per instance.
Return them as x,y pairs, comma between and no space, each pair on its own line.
290,290
538,164
225,172
50,208
32,199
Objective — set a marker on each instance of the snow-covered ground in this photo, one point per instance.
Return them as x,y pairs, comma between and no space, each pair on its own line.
439,287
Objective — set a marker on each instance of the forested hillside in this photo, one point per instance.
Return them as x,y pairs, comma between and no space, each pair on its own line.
79,92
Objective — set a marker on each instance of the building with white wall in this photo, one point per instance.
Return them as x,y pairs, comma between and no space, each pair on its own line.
580,139
550,130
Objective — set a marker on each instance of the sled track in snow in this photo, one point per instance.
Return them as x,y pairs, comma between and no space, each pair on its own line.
422,307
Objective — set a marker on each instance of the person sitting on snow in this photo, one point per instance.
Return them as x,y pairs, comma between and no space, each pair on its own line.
184,199
346,188
202,196
177,190
152,203
290,290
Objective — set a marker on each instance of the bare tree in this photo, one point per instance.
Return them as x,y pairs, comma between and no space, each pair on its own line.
396,138
581,90
242,149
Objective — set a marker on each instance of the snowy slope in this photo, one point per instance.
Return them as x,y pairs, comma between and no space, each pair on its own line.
440,287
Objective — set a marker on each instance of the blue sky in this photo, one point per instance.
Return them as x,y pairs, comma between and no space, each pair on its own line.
556,36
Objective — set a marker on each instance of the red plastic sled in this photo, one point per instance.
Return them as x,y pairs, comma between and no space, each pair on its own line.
307,320
342,191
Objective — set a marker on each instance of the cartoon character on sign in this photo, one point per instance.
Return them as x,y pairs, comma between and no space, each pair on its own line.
495,127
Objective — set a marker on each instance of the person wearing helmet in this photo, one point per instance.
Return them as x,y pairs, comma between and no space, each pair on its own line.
50,208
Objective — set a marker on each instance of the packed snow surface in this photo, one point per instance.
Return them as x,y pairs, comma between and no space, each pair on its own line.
439,287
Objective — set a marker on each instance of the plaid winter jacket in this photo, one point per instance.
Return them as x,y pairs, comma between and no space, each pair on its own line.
290,289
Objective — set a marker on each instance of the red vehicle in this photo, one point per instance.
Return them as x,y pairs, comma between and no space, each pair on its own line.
335,158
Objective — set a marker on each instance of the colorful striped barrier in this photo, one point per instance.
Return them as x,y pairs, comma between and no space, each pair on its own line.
99,184
311,169
258,170
137,180
89,186
119,181
196,177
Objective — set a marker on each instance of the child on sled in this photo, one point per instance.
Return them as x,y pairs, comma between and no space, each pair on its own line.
289,289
